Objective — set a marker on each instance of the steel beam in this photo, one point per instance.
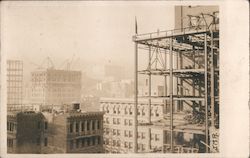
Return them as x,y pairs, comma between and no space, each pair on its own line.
206,93
136,98
171,94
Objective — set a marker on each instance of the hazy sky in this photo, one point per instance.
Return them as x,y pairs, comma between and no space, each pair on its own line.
96,32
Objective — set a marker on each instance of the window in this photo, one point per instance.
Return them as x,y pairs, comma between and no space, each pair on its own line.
98,124
156,113
10,143
114,120
126,144
82,124
118,132
130,111
38,141
88,126
118,121
157,137
77,127
114,142
118,110
83,142
88,141
130,122
71,127
126,133
130,134
143,113
45,125
125,122
130,145
38,125
98,140
114,132
143,147
71,144
114,111
77,143
45,141
118,143
93,125
126,111
138,134
142,135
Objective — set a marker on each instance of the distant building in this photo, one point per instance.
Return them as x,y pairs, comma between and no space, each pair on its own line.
152,137
116,89
114,71
55,132
14,82
52,86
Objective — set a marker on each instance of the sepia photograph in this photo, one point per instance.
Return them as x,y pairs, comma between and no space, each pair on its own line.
111,78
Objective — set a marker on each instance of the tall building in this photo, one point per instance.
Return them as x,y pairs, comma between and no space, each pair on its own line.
55,131
56,87
14,82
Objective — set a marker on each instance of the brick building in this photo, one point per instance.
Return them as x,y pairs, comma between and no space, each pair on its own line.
55,132
26,132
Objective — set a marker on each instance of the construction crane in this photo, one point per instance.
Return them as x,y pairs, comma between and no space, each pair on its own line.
47,63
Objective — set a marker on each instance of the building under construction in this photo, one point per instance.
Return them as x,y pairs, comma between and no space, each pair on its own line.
186,59
14,82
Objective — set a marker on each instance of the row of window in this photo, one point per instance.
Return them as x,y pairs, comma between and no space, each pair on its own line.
10,143
129,134
84,125
11,126
129,111
117,121
85,142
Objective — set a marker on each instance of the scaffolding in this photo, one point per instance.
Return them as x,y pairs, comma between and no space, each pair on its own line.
168,56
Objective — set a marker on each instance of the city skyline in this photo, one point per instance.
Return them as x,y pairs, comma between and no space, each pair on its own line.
48,30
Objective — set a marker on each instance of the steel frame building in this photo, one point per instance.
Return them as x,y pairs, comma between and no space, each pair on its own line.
166,53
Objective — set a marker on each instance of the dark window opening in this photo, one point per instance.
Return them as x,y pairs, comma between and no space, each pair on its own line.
77,143
39,125
82,126
77,127
71,144
45,125
45,141
71,128
93,125
88,125
98,124
38,141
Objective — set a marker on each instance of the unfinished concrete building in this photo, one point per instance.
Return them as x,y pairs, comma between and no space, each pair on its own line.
56,87
187,61
14,82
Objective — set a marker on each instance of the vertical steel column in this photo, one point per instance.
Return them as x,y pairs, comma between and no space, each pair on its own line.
135,97
149,95
149,85
212,79
206,94
165,85
171,93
